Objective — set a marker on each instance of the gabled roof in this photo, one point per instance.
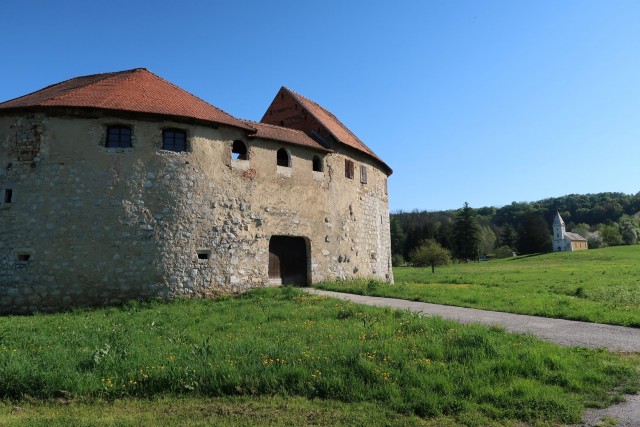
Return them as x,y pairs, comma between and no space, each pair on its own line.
574,237
279,133
137,90
328,121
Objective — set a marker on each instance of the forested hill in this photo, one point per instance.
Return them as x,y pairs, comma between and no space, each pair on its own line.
605,219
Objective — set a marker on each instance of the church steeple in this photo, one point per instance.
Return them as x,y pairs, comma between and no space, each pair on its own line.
558,227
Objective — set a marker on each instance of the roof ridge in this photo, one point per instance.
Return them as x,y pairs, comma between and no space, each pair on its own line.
333,116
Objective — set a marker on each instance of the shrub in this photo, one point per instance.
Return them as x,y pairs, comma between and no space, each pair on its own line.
504,252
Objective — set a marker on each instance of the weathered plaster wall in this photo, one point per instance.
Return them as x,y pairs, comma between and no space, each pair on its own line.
100,226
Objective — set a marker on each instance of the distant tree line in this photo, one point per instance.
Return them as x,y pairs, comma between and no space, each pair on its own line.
604,219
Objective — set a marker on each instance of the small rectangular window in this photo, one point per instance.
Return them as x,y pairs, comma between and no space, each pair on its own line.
23,256
174,140
8,195
363,174
118,137
203,254
348,169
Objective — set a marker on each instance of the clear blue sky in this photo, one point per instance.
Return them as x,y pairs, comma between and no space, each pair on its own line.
486,102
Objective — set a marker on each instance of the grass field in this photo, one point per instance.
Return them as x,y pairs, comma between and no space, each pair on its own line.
279,354
601,285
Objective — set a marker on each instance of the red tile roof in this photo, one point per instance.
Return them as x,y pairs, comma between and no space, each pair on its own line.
327,120
279,133
137,90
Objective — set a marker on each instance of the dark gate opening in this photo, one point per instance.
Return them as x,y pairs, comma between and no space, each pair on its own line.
288,261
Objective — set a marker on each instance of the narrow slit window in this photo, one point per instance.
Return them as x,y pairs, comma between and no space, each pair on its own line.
348,169
204,254
174,140
8,195
23,257
317,164
239,151
118,137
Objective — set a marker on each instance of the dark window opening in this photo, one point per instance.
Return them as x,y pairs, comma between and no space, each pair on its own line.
8,195
281,122
23,257
174,140
363,174
204,254
118,137
317,164
283,158
239,151
348,169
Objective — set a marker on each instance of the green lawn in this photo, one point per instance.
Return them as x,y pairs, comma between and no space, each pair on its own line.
601,285
281,355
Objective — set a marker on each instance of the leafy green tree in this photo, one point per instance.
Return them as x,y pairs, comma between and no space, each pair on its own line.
630,229
594,240
534,235
397,260
466,234
610,234
429,252
582,229
487,239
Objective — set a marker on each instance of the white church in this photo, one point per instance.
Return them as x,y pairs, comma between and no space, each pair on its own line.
564,241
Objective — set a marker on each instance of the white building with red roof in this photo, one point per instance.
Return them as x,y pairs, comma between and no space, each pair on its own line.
564,241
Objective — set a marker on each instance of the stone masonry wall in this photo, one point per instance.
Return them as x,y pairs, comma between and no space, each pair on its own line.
87,225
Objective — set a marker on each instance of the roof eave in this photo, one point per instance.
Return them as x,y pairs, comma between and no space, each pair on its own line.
8,110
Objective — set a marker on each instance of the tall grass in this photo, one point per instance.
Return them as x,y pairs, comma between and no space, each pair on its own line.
283,342
600,285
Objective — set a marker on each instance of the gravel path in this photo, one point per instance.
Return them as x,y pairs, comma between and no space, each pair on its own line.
563,332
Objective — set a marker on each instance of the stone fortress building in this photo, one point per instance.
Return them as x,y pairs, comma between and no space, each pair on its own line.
122,185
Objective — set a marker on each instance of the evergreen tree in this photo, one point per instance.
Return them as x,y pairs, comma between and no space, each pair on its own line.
508,237
445,235
534,236
398,237
466,234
